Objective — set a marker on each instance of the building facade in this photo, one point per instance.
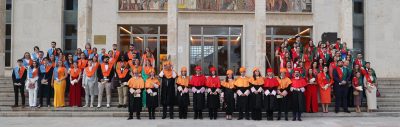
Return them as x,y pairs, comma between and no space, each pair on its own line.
227,34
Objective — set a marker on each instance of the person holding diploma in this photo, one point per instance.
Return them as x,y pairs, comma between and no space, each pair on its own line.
256,97
152,84
136,85
213,85
182,94
283,91
270,99
243,92
198,82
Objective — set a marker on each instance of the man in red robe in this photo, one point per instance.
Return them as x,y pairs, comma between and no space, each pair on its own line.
298,102
198,83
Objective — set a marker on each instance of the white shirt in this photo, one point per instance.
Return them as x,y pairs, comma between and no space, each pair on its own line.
27,60
106,66
242,76
297,77
229,79
213,76
136,77
183,76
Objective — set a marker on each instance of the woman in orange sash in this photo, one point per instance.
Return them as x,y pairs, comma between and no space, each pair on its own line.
58,82
325,81
75,86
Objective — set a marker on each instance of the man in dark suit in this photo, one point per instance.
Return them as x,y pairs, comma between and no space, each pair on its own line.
45,74
341,77
299,44
52,50
40,58
19,77
325,56
130,54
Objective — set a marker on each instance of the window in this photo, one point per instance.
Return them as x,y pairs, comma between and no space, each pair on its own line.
358,7
8,4
8,46
71,5
358,32
215,46
70,38
154,37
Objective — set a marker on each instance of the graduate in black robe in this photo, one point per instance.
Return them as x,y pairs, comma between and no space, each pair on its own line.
152,84
136,85
168,89
298,101
243,92
256,96
182,95
283,94
213,85
198,83
270,101
228,94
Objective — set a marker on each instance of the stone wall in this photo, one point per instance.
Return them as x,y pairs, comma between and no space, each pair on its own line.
381,39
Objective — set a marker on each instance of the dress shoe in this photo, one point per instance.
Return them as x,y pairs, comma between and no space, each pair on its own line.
171,117
279,118
180,117
201,117
163,117
215,118
153,117
299,119
247,118
14,106
150,117
129,118
239,118
347,111
119,106
294,119
286,119
195,117
138,117
124,106
23,106
336,112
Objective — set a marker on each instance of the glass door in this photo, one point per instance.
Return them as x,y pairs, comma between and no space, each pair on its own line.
208,54
273,44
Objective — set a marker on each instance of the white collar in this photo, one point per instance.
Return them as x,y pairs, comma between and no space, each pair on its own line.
183,76
270,77
297,77
229,79
242,76
198,75
136,77
213,76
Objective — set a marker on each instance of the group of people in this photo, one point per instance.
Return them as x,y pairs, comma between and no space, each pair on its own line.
301,75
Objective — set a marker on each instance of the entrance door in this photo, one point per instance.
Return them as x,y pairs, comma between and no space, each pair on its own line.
214,53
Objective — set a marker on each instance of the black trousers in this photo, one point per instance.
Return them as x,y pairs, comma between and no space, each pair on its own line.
42,87
171,110
21,90
256,114
198,113
246,113
212,112
341,96
131,114
151,111
270,114
350,97
183,111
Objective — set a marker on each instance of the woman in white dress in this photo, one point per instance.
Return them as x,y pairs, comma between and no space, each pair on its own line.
370,83
31,83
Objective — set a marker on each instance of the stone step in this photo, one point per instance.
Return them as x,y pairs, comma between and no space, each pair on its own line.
221,115
159,109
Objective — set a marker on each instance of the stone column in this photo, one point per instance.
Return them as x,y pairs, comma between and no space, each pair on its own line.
173,33
260,27
2,36
84,23
346,22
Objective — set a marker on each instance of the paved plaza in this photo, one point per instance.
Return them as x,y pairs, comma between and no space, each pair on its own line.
122,122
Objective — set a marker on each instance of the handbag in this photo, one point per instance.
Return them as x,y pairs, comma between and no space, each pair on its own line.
356,93
378,94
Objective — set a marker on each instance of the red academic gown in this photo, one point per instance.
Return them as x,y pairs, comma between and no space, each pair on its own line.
312,96
75,90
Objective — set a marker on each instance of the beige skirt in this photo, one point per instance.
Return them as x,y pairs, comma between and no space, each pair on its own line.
371,98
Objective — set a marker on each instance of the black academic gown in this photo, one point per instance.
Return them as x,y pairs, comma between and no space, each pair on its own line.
213,100
167,91
228,104
270,101
283,103
256,100
199,99
135,103
298,102
242,101
152,100
182,99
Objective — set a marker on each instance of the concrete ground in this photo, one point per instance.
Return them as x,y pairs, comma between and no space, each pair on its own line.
221,122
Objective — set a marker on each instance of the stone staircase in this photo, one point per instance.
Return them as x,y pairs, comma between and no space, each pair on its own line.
389,105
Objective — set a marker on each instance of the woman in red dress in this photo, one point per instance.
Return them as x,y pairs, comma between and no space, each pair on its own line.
75,86
312,90
308,58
